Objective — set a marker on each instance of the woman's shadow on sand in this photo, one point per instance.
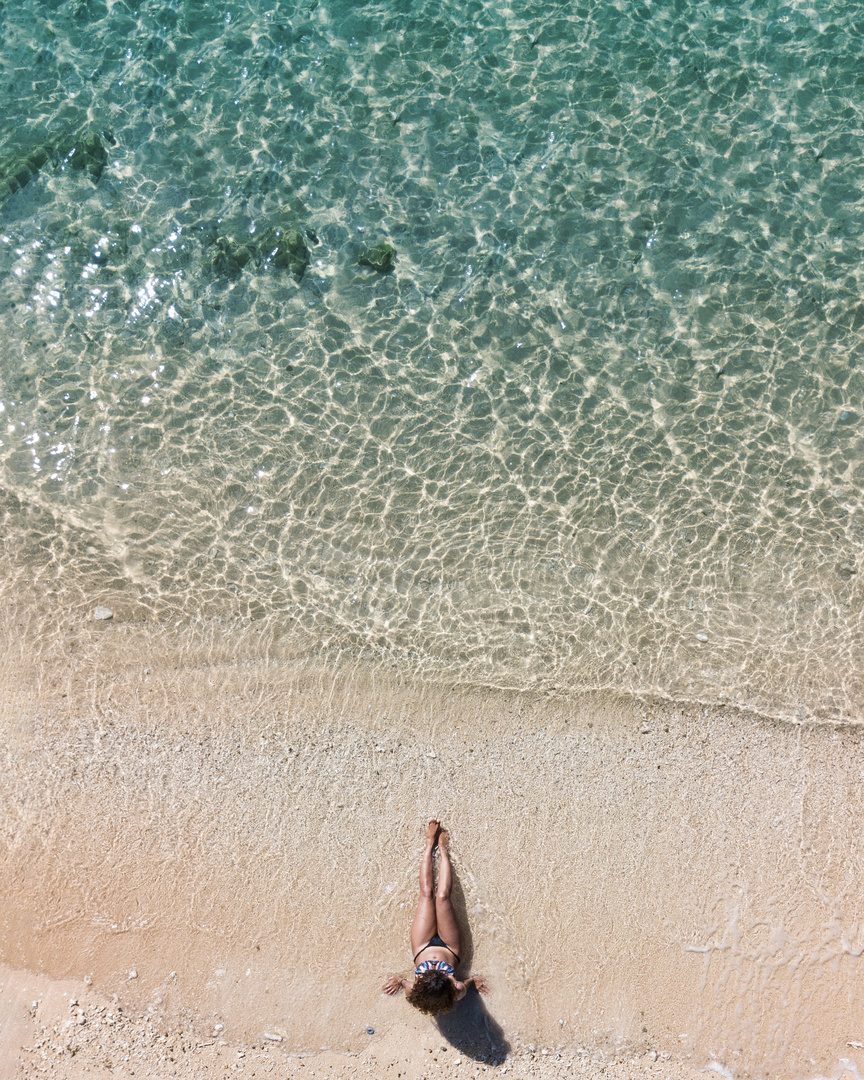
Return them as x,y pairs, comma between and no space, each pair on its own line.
468,1026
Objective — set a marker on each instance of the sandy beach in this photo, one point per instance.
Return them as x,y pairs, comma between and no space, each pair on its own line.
229,849
61,1028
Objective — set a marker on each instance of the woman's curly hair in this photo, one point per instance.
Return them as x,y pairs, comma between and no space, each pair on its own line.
432,993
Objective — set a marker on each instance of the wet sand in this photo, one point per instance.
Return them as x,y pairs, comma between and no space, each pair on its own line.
229,844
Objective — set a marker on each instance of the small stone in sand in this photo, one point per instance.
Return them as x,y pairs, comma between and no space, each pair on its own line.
103,613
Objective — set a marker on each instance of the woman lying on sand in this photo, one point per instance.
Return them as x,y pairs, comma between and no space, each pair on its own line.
435,988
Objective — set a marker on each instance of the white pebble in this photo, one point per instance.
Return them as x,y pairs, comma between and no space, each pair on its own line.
103,613
133,974
272,1038
701,637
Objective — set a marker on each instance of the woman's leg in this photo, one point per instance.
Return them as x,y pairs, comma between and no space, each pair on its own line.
425,924
448,928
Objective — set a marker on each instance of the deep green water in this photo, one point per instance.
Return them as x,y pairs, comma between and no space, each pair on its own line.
601,425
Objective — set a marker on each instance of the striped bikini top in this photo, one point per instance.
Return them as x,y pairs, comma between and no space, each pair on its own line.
434,965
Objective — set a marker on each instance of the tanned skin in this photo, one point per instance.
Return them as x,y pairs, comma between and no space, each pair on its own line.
435,915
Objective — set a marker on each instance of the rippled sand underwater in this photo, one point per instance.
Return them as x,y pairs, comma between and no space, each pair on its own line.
600,426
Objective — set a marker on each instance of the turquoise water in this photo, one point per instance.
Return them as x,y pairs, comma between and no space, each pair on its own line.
600,426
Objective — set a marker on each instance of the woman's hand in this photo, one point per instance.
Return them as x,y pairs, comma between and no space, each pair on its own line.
479,984
393,985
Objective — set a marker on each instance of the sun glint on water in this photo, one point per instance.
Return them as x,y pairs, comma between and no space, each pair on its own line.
593,420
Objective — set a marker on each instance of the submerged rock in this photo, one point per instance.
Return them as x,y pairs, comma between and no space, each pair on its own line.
40,156
21,173
379,256
280,247
89,154
229,258
18,173
86,153
285,248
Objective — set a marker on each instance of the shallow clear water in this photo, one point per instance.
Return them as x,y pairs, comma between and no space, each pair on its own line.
601,425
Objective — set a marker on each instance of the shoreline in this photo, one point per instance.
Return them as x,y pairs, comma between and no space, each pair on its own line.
244,838
56,613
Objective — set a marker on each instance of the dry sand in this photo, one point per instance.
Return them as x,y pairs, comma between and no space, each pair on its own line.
60,1028
226,846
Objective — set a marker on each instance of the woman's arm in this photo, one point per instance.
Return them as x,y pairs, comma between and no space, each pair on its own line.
394,984
477,981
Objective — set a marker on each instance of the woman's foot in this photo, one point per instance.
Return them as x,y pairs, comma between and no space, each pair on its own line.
433,828
443,838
